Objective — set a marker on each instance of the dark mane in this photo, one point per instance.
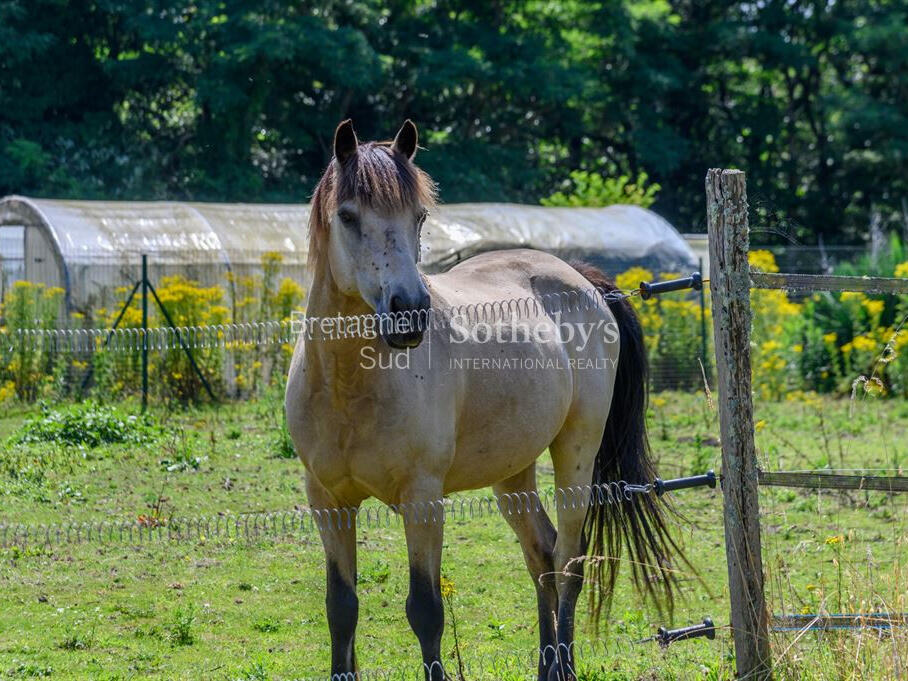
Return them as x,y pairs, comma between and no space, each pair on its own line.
375,176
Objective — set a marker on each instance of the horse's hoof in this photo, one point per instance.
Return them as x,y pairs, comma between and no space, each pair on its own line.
435,672
562,673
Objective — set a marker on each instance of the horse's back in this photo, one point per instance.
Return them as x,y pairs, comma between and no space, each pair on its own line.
505,274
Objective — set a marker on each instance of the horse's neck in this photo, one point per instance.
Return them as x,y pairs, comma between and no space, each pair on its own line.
334,363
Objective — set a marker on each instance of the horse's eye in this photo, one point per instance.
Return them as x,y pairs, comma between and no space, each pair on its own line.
347,218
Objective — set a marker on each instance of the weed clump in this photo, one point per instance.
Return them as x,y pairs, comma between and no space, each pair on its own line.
78,640
88,424
180,632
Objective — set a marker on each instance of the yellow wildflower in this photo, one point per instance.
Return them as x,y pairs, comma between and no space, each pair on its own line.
771,346
632,278
7,390
900,340
272,258
864,343
762,261
447,587
874,307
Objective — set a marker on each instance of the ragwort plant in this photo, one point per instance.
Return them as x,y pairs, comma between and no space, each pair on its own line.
265,297
29,367
190,304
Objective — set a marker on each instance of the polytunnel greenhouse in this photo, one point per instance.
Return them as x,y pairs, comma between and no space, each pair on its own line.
92,249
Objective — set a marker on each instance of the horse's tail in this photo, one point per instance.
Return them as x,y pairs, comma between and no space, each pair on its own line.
634,520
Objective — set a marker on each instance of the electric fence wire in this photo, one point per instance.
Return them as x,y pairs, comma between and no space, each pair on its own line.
296,523
279,332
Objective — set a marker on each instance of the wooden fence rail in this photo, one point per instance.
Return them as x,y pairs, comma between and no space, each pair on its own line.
808,283
832,481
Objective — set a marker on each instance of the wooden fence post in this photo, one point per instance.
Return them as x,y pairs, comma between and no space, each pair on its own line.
726,210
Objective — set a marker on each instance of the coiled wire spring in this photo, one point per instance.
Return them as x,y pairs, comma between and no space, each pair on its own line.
300,522
280,332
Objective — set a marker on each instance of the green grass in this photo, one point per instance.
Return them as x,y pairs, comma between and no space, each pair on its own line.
217,609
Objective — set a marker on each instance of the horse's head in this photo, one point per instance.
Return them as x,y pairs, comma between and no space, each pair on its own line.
367,213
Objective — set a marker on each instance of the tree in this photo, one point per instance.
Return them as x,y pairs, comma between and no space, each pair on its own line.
238,99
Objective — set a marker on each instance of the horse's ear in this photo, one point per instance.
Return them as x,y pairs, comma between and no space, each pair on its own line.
345,142
406,140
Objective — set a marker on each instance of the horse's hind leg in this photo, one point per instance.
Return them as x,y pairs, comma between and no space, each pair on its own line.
573,454
520,506
338,531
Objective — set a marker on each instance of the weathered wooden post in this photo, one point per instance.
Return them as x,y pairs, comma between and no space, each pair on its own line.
726,210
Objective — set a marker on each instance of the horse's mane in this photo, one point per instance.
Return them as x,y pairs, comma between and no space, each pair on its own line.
377,176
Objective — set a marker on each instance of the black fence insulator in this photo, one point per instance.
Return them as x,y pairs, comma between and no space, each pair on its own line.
708,479
648,290
666,637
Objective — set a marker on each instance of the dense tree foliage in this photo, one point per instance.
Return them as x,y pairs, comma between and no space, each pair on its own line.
238,99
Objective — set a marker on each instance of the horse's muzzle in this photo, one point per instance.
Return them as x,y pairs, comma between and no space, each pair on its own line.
406,322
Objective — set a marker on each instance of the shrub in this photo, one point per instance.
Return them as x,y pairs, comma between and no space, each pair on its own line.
592,189
86,424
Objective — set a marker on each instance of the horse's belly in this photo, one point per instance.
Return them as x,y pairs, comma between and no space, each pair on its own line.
508,421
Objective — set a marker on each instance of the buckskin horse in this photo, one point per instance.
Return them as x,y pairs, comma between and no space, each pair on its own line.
411,432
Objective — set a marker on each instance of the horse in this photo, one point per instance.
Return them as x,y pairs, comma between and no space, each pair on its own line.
392,414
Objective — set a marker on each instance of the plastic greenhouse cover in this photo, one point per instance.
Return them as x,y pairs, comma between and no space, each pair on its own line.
95,231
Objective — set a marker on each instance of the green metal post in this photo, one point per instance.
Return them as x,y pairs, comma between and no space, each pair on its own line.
144,332
703,351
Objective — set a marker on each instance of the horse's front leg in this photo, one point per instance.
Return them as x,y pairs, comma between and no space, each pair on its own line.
423,517
337,527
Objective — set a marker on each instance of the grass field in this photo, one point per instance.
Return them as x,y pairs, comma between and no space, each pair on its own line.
218,609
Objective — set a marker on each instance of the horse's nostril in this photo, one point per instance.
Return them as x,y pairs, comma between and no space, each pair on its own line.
397,304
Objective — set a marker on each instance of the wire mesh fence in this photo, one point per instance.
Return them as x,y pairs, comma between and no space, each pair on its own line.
236,357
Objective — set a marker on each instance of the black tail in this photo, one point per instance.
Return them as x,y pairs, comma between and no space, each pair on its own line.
639,522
